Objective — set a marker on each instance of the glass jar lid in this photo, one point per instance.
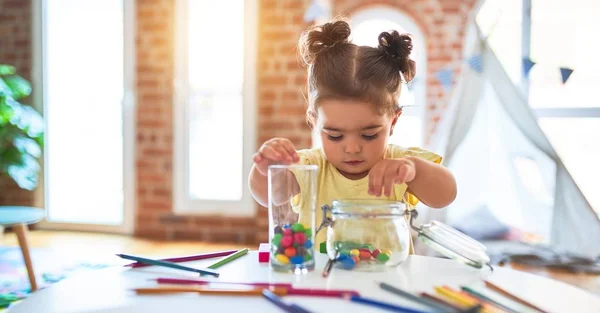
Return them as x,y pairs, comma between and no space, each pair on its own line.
454,244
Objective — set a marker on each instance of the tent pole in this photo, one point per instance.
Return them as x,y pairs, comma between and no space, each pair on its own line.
525,44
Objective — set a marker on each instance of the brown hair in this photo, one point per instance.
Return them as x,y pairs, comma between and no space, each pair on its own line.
337,68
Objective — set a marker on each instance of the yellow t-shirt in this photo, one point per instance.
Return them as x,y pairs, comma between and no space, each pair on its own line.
332,185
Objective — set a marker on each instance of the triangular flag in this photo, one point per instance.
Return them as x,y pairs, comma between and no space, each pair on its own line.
565,73
527,65
476,63
313,12
446,78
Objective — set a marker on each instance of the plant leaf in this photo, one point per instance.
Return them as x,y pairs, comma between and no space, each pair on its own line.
20,87
7,69
5,90
25,175
27,145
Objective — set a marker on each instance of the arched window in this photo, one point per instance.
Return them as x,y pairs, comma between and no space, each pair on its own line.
366,26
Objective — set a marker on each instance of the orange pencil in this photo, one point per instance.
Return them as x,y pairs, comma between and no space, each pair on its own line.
208,291
511,296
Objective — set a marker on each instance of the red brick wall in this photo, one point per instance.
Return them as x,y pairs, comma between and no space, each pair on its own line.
15,49
281,106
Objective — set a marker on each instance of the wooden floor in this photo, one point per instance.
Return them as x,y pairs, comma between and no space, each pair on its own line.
103,244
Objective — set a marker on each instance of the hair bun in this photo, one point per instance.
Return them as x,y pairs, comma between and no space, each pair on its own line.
398,47
322,38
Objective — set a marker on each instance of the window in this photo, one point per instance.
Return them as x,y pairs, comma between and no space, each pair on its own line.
84,66
366,27
214,106
560,36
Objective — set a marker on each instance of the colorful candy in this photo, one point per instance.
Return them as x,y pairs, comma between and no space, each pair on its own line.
352,253
298,228
281,258
299,239
383,257
364,254
292,244
287,241
287,232
290,252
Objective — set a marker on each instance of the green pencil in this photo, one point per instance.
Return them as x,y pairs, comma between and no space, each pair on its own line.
228,258
487,299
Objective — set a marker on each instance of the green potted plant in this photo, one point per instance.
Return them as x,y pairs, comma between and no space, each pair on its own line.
21,131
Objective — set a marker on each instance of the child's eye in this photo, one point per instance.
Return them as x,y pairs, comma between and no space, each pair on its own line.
370,137
335,138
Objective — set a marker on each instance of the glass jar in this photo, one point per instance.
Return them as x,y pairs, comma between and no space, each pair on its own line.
366,235
292,200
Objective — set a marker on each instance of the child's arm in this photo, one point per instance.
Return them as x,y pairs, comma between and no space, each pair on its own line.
433,184
274,151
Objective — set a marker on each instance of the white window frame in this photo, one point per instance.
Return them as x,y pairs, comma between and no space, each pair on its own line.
419,86
552,111
182,203
38,74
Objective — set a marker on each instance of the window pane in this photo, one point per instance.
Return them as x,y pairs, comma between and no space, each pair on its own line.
577,141
408,131
501,20
561,36
216,60
84,92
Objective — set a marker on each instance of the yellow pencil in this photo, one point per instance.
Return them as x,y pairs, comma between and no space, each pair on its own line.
208,291
465,300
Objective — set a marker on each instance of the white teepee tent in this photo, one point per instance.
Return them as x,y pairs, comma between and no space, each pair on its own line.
504,163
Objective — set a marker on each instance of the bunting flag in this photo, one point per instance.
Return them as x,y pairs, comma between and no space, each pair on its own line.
313,12
446,78
527,65
565,73
476,63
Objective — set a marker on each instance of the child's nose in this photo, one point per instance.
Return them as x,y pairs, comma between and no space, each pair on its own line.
353,146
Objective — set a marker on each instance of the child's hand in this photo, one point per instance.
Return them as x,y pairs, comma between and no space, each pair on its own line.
388,172
275,151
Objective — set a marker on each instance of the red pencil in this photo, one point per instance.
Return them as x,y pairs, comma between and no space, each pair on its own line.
179,281
321,292
188,258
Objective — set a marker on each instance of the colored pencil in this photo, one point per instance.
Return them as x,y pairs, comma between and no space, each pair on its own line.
298,308
421,300
228,258
445,302
487,299
321,292
188,258
180,281
465,299
208,291
383,305
271,296
328,267
168,264
512,297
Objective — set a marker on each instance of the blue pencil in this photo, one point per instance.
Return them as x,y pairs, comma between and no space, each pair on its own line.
383,305
168,264
275,299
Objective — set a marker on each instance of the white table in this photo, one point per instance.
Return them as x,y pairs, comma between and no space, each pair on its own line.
107,290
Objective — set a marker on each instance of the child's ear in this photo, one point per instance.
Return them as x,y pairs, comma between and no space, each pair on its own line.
395,120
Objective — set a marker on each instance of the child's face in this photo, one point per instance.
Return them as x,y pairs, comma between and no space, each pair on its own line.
354,135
